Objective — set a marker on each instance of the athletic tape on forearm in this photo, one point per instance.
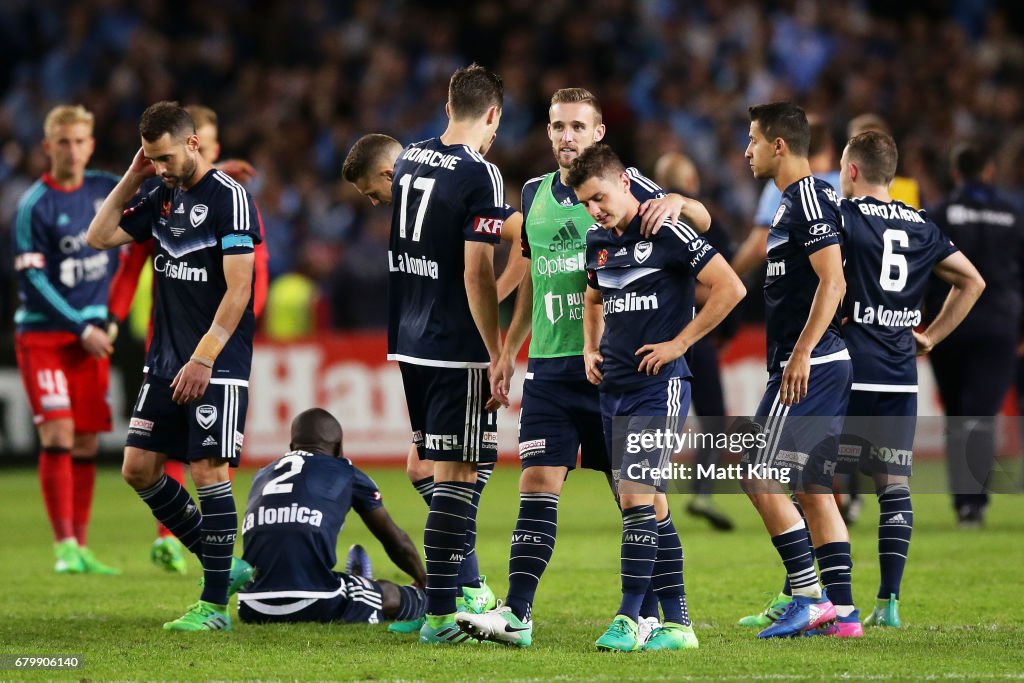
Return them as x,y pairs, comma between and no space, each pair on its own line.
210,346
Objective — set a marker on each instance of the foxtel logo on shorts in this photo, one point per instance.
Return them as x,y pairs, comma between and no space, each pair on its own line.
487,226
140,424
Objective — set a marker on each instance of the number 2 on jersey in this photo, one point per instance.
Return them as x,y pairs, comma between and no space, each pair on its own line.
276,485
426,186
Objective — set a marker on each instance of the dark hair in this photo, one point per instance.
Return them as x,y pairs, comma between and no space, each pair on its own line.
596,160
875,155
969,160
784,120
364,154
577,96
820,137
473,90
166,117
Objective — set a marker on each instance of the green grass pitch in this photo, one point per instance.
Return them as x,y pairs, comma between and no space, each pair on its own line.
962,600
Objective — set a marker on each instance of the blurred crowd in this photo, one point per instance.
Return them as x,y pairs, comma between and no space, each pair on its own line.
296,83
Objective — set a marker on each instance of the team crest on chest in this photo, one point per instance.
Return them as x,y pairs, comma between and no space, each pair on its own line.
198,215
602,257
642,251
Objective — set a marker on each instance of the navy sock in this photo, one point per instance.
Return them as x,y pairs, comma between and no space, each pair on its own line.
174,508
220,526
786,590
835,564
469,570
444,543
649,607
412,603
533,542
639,549
895,525
794,549
425,487
667,579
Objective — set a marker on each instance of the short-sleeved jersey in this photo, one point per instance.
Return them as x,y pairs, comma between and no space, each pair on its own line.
554,239
647,287
989,230
296,509
768,202
807,220
192,231
62,281
890,251
444,196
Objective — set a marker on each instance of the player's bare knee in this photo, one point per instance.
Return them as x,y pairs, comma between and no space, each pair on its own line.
416,468
391,599
57,434
455,471
86,445
542,479
140,469
209,471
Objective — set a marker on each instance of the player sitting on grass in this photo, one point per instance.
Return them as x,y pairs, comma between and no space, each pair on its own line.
296,509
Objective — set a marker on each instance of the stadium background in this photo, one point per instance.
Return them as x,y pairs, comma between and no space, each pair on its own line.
295,83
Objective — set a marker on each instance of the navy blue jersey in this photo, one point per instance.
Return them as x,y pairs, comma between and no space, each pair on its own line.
296,509
646,286
192,231
567,251
444,195
989,230
807,220
890,251
63,283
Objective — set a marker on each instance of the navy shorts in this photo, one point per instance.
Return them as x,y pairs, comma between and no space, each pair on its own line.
212,426
807,447
446,410
358,600
558,420
878,437
628,415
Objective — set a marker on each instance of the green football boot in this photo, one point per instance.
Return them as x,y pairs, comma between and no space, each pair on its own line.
477,600
622,636
406,628
94,566
886,613
69,561
167,552
773,609
442,630
202,616
671,636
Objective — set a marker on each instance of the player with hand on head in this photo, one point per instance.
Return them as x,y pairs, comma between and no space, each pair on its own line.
370,167
166,551
560,416
443,322
296,509
638,323
62,347
809,376
193,400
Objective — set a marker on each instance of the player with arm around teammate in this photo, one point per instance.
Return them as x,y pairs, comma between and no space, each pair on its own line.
638,323
296,509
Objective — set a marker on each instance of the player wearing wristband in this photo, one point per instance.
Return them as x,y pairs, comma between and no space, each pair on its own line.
166,551
62,350
192,403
